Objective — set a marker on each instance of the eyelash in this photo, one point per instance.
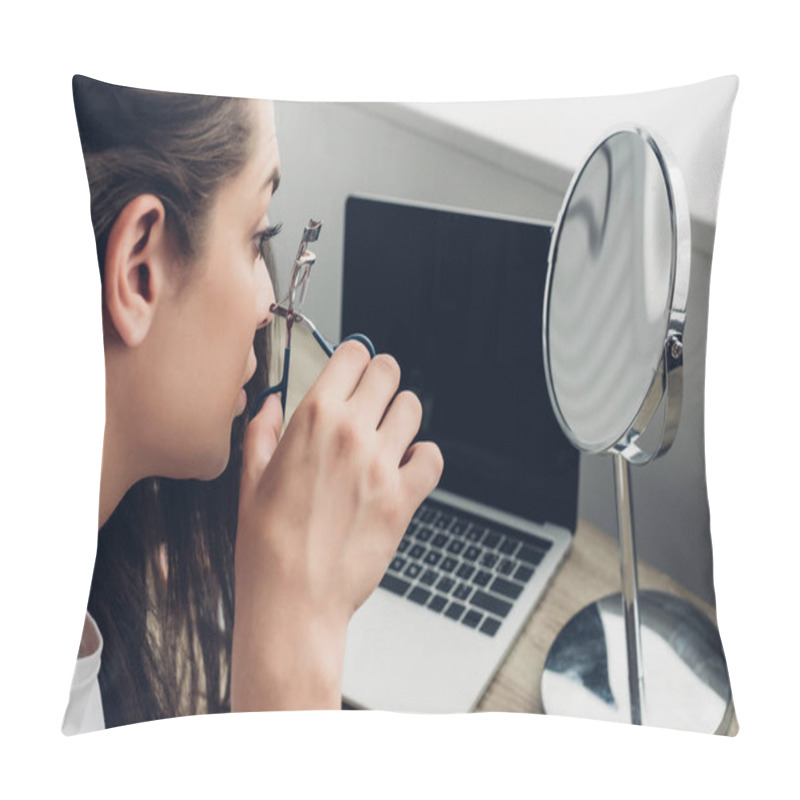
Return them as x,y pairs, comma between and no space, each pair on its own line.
262,237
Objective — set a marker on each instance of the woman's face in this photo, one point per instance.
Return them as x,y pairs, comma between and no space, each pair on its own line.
208,354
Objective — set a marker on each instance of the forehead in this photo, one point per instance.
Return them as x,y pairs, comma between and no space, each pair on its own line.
263,112
263,168
249,192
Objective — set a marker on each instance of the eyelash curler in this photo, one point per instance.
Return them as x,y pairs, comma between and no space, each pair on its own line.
289,309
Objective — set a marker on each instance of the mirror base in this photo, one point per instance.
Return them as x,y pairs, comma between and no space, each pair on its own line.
686,683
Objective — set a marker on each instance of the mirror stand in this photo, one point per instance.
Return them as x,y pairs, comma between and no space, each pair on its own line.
630,587
674,674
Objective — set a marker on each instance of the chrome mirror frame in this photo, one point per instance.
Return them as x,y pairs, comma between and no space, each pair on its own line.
667,384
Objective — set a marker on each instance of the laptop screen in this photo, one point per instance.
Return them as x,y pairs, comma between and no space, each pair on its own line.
457,298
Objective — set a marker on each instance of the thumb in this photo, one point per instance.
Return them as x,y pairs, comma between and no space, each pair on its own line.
261,436
421,469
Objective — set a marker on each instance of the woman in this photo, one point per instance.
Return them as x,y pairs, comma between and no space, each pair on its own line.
199,511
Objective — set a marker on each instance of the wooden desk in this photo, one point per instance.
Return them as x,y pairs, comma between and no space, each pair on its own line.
590,571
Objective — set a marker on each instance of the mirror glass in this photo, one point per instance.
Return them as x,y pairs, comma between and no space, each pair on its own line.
609,295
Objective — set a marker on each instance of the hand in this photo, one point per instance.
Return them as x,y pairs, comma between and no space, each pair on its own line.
320,516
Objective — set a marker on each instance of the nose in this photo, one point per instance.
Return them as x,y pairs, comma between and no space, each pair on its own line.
266,298
265,321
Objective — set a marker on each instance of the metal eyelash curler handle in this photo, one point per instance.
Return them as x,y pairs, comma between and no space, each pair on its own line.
289,310
310,234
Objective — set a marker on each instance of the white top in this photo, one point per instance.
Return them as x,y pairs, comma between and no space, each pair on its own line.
85,707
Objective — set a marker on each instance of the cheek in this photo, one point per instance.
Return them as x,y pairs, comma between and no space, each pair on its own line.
253,298
224,341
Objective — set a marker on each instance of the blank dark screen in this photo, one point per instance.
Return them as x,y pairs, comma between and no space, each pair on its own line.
457,298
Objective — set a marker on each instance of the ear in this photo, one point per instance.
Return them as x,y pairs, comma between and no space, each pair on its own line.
135,271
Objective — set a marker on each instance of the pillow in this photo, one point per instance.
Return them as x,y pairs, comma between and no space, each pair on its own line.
165,204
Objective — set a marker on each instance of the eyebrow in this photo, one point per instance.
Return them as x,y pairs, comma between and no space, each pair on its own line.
274,179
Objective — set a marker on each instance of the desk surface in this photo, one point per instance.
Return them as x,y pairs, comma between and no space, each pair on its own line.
590,571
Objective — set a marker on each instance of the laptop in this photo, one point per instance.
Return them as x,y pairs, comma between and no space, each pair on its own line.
457,298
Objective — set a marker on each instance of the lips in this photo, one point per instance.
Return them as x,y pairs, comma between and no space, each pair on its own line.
252,371
241,402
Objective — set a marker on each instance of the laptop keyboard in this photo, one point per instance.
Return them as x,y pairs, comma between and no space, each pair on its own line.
464,567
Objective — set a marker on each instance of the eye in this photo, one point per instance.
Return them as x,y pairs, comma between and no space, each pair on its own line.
261,240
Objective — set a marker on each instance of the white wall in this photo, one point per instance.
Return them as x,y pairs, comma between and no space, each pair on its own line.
442,155
561,132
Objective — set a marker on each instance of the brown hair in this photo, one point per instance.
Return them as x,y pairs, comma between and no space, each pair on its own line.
179,147
162,589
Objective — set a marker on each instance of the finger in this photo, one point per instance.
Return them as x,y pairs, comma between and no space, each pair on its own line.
343,372
261,437
376,389
420,470
401,423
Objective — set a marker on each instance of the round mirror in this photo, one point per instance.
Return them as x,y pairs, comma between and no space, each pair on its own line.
614,314
616,294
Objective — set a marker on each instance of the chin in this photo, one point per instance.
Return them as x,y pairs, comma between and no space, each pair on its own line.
220,467
212,465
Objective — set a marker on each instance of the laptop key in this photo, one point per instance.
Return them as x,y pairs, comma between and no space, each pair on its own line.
494,605
443,520
482,578
472,553
395,584
448,565
491,539
445,585
490,626
424,533
454,611
412,570
459,526
506,588
489,560
472,618
437,603
419,595
429,577
530,555
539,543
508,546
523,573
462,591
455,547
432,558
474,533
506,566
417,551
428,514
440,540
404,545
465,571
397,564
